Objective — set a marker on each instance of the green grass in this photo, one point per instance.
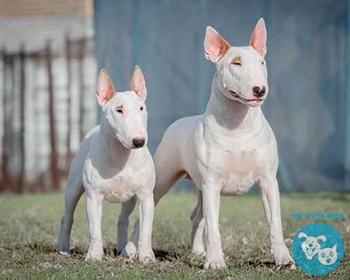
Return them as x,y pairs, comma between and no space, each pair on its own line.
29,226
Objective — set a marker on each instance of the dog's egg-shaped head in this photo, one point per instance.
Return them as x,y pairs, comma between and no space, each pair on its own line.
241,71
124,113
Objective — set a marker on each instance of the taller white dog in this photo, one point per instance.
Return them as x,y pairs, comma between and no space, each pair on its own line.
228,148
113,163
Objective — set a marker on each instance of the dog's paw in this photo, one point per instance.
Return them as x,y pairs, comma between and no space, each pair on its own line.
129,251
146,258
282,256
199,251
62,249
94,255
214,263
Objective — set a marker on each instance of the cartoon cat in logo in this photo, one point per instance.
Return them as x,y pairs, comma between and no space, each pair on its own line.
328,256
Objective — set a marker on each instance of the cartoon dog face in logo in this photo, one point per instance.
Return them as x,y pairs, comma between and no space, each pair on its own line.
311,246
328,256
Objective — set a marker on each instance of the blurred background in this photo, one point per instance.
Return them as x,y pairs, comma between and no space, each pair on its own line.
51,52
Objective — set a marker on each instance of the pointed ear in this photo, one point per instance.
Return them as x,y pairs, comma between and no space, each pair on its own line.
137,83
215,46
105,89
258,38
334,248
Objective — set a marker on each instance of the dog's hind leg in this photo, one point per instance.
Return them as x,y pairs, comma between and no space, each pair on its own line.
167,172
72,195
123,223
198,223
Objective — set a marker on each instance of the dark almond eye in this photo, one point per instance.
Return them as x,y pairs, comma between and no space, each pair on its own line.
237,63
141,108
119,110
262,62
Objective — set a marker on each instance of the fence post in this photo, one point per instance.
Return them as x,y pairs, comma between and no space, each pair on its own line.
81,55
69,101
22,110
52,122
6,141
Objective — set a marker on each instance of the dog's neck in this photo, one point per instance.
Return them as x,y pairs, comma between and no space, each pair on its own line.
229,113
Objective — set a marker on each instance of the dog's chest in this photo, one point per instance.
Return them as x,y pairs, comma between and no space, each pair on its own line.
239,171
117,189
114,185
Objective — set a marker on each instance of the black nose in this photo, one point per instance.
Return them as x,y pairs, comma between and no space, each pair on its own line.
259,92
138,142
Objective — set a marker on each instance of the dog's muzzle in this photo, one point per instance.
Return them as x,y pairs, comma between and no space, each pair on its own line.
251,102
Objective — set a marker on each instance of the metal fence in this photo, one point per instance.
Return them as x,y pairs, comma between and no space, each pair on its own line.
308,58
45,111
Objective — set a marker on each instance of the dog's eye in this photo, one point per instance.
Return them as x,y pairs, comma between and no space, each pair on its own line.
119,110
236,61
141,108
262,62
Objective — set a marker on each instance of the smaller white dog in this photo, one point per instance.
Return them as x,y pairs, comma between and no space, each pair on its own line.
113,163
311,246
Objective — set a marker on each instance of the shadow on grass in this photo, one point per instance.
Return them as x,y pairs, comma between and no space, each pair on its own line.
162,256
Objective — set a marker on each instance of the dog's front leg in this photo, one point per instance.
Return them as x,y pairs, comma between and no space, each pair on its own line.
146,212
211,207
197,219
94,217
271,200
123,223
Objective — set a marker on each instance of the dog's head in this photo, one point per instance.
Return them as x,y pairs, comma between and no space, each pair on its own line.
241,71
124,113
311,242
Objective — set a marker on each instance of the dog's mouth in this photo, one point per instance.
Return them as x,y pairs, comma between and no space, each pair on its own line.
251,102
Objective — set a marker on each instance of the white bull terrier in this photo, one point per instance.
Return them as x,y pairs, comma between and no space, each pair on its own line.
113,163
228,148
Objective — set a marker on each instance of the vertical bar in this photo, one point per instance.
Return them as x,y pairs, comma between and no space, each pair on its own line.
69,101
137,32
204,65
347,102
82,44
5,156
22,109
52,122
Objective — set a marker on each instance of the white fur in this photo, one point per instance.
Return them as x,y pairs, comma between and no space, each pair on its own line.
108,166
228,148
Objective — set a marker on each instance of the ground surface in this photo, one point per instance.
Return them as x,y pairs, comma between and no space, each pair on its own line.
29,226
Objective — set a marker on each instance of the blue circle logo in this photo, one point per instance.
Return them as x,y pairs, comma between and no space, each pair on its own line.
318,248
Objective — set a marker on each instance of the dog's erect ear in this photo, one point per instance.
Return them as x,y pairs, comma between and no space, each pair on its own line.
322,237
258,38
138,84
301,235
105,89
215,46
